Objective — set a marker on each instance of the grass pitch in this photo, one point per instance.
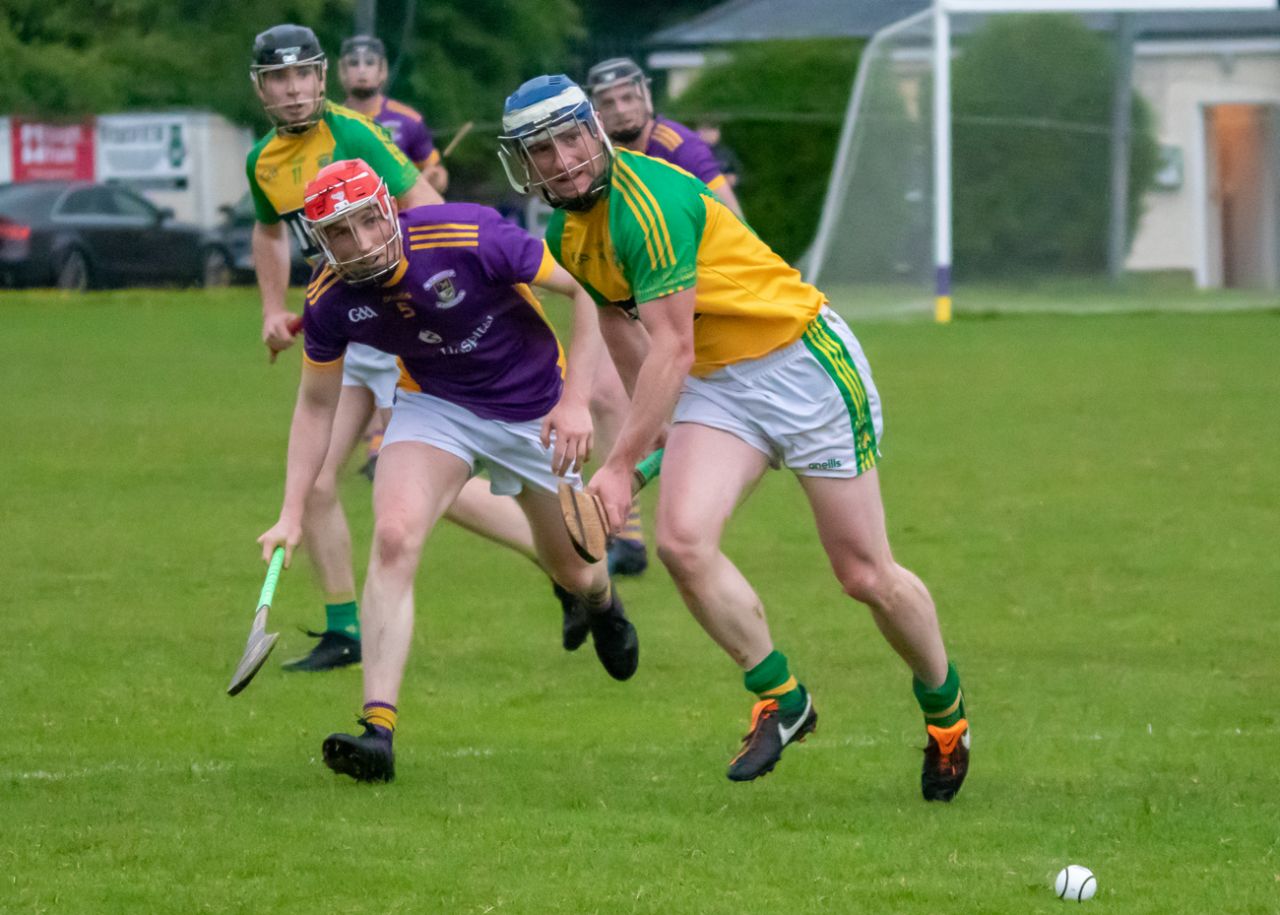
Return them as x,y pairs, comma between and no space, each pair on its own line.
1093,501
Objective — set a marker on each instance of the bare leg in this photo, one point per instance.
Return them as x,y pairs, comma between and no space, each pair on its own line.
704,475
324,524
590,581
615,640
850,518
496,518
414,484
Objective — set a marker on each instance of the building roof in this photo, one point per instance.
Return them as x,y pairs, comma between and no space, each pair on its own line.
764,20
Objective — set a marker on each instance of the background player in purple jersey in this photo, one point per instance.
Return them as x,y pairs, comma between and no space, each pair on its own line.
362,67
483,384
620,93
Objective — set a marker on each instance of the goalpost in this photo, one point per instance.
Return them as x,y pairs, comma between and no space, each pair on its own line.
890,195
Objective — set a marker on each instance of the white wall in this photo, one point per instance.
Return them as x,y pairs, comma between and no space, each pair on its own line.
1179,79
212,167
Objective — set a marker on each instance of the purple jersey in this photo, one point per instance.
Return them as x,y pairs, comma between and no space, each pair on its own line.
408,131
456,311
681,146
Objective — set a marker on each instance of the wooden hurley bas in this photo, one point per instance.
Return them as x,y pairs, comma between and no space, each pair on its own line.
584,515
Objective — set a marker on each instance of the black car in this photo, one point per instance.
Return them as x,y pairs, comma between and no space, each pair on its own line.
75,235
235,237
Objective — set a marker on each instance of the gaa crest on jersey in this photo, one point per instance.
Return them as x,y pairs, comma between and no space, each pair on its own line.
428,336
447,294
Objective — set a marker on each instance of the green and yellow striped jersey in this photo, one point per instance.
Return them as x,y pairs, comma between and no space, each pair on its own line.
660,230
280,165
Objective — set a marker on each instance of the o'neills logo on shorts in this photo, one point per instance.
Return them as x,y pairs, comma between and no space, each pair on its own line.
832,464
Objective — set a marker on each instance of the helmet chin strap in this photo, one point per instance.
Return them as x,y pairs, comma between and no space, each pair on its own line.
364,93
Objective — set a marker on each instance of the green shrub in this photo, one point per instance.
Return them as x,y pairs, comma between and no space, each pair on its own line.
1031,101
781,104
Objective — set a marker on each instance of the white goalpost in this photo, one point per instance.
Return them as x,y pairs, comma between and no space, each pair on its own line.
897,136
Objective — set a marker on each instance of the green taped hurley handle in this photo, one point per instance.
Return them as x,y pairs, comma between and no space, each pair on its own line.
645,471
273,576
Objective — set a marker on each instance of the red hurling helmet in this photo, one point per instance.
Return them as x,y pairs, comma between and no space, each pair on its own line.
352,217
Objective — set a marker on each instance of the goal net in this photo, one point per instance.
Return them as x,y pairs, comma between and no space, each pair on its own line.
1074,163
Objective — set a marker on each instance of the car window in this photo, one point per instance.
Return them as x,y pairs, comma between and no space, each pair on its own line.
28,201
125,204
86,201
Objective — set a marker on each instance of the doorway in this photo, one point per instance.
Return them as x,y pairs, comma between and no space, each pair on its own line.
1243,164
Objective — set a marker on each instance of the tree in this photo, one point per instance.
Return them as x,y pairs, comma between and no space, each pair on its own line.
1032,97
782,104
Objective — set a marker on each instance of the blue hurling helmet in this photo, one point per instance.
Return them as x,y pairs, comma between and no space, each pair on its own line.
542,109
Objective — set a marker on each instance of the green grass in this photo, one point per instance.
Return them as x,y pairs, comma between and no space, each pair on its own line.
1164,292
1093,501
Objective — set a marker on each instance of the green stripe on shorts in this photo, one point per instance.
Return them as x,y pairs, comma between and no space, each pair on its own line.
831,353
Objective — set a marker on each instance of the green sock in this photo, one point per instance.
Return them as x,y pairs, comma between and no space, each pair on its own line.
770,679
344,618
943,706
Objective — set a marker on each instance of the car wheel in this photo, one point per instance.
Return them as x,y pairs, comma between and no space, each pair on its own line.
73,274
216,271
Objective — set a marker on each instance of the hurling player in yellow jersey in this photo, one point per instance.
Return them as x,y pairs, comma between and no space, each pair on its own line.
712,330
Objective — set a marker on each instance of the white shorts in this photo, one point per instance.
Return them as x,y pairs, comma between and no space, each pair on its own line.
366,367
511,452
810,406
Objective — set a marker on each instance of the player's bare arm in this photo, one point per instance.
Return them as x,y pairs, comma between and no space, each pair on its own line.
309,435
729,198
669,322
270,244
628,344
571,417
419,194
437,176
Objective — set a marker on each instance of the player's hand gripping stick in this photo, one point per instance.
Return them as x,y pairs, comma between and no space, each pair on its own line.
584,515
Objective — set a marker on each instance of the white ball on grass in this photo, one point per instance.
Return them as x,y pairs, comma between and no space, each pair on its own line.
1075,883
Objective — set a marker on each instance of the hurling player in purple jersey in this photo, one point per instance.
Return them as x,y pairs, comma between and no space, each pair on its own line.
362,67
620,92
484,383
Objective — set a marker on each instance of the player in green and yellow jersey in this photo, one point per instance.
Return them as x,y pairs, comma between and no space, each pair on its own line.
713,331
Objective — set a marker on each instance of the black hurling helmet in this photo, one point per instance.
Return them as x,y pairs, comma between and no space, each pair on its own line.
281,47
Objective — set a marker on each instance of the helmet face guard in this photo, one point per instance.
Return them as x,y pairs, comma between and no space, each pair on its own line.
352,218
550,144
278,110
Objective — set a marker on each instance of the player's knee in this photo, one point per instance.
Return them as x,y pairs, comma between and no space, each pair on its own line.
865,580
394,543
324,491
683,547
605,402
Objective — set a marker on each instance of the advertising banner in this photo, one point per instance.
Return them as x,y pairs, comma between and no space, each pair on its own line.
146,150
51,151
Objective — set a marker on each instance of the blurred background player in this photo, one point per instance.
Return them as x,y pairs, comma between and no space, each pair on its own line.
766,375
620,93
726,158
486,384
362,68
